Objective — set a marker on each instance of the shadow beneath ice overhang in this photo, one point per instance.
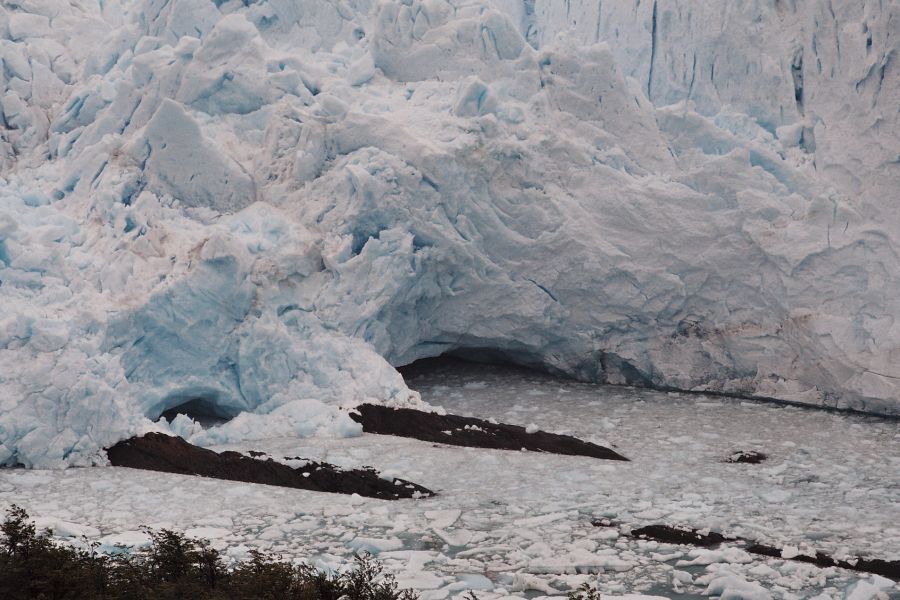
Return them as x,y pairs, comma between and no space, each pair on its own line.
489,359
203,406
605,369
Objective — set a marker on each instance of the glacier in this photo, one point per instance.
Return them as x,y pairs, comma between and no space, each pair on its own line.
269,205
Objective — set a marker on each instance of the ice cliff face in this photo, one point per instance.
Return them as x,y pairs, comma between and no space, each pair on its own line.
267,204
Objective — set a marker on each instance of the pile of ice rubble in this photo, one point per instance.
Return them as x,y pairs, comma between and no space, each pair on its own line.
267,204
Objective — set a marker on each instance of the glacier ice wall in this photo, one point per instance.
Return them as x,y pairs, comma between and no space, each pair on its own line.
269,204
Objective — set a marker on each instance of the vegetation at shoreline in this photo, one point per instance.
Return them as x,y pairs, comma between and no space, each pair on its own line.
32,566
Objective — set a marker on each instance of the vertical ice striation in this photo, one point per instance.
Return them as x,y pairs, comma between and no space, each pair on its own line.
264,206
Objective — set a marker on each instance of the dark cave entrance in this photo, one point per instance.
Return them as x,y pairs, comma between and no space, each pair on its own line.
597,367
479,360
204,410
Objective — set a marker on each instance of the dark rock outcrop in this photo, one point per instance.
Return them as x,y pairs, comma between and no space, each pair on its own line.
678,535
471,432
746,456
708,539
158,452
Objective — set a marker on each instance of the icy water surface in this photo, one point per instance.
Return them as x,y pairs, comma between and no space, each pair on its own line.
518,524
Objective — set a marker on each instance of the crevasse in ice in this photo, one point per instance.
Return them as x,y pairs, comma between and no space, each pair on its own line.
268,205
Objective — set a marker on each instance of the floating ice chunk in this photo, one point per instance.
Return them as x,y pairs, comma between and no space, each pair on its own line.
456,538
541,519
473,581
733,587
522,582
637,597
702,556
62,528
238,553
374,545
682,576
868,589
127,541
776,496
763,571
442,519
207,533
421,580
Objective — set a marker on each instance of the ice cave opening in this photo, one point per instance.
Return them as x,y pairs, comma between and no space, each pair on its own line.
203,407
597,366
464,360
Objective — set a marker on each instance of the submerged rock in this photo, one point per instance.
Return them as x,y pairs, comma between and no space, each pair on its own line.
746,456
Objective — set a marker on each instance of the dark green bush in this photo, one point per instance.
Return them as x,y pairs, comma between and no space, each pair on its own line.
174,567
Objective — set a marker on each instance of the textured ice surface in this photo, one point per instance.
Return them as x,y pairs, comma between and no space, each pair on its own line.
519,523
263,203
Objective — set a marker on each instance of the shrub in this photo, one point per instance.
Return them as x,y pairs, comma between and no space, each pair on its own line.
174,567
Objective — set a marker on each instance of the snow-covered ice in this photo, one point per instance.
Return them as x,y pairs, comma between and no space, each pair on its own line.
257,204
519,524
